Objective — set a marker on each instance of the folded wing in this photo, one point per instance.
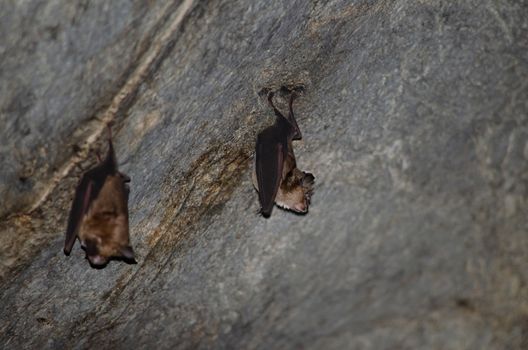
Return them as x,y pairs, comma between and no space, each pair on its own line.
80,205
269,165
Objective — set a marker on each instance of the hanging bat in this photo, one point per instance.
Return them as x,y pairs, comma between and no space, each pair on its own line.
99,213
276,177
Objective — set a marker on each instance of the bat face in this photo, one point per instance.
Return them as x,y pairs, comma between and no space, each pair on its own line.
99,214
276,177
295,191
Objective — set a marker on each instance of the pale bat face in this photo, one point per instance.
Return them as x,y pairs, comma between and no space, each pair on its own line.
294,192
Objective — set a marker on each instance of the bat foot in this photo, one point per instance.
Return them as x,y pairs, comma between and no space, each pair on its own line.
286,90
109,129
264,91
283,90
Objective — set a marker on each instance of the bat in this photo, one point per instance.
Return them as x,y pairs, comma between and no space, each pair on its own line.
99,213
276,177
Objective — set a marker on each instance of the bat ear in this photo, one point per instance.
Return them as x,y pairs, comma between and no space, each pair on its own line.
127,252
308,179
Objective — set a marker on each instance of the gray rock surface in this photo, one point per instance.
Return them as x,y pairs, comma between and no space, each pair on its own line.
415,125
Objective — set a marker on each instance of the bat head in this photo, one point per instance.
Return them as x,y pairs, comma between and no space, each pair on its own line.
296,191
99,251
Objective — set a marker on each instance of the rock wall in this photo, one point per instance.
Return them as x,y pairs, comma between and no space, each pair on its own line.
414,119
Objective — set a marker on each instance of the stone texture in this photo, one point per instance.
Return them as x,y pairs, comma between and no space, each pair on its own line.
415,125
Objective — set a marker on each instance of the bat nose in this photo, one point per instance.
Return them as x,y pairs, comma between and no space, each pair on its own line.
301,207
97,260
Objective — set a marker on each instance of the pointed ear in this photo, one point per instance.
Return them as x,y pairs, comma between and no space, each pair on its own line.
127,252
308,179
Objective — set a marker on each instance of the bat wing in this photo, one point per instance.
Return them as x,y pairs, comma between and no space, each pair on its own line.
81,202
269,165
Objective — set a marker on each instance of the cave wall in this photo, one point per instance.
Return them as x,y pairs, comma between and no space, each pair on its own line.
414,118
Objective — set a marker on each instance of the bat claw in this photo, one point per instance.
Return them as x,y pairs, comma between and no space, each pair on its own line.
291,89
264,91
109,128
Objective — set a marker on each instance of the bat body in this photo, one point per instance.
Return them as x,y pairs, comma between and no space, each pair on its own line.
99,213
276,177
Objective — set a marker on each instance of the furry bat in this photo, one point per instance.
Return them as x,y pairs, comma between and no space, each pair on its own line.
276,177
99,213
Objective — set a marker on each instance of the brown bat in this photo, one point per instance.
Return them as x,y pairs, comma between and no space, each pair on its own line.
99,213
276,177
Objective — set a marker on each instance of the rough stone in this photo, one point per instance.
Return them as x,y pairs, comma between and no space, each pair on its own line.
414,119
